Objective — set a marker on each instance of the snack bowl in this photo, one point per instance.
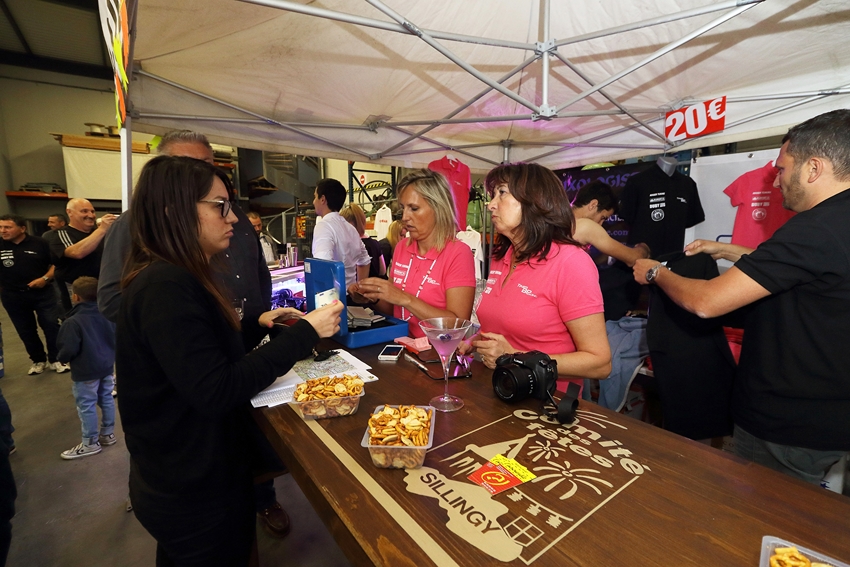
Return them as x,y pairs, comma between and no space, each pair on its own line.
770,543
328,407
399,456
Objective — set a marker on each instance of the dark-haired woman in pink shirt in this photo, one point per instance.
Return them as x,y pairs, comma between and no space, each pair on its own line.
543,290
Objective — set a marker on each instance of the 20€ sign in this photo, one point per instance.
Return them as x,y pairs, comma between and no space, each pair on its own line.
696,120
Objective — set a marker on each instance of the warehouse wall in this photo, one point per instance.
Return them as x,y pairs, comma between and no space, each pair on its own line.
33,104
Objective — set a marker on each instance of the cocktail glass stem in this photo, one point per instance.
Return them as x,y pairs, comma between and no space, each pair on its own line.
447,363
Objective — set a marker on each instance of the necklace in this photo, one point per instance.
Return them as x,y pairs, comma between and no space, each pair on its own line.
421,285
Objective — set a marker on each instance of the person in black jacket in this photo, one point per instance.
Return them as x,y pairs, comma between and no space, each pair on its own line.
245,275
186,380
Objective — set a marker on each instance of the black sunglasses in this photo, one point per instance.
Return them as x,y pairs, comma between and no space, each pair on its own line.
226,206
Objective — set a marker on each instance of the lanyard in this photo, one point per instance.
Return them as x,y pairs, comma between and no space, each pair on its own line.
421,285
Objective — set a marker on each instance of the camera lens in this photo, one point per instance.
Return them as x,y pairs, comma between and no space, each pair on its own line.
513,383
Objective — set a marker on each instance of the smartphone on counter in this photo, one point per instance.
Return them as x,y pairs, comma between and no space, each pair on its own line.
391,352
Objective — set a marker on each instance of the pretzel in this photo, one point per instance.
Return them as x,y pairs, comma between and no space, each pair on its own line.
329,396
404,431
788,557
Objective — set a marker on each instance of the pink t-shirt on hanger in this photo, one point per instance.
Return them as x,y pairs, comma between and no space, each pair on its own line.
760,211
532,309
460,180
428,277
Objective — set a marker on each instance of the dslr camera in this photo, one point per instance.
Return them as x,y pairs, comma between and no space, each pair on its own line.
525,374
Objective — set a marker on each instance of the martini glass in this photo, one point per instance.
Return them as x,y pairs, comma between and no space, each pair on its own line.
445,333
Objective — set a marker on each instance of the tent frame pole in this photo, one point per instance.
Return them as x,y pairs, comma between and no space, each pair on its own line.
424,36
462,107
659,53
269,121
385,26
197,118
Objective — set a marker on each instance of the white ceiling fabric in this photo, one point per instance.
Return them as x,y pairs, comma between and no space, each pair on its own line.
296,68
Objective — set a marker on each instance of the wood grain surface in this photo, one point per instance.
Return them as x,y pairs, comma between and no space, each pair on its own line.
609,490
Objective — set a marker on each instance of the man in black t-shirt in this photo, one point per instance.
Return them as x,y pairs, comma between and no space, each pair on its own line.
25,272
791,398
77,248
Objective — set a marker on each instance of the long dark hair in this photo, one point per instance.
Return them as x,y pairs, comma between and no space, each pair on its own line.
164,222
546,213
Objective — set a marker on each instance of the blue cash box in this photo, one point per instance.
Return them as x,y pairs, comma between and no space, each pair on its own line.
321,276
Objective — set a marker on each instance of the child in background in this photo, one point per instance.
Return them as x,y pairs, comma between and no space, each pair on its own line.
87,341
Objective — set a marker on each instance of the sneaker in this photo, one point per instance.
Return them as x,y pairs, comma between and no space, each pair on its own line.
36,368
106,440
58,367
81,450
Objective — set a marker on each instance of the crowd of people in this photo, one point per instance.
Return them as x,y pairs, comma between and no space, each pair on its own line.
151,292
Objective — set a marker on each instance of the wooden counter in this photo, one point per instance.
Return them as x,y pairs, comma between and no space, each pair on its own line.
610,490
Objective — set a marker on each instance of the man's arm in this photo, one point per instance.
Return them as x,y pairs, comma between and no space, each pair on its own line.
717,250
40,282
589,232
90,243
363,262
704,298
115,250
323,242
362,272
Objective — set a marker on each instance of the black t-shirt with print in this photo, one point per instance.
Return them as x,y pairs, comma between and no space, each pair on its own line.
23,262
659,208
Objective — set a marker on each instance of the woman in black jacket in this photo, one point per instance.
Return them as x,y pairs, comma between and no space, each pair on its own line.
185,378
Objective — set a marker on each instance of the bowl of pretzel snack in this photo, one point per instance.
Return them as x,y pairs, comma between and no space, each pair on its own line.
776,552
329,396
399,436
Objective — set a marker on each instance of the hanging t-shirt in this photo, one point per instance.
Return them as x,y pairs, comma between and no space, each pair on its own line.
472,238
460,180
428,277
759,203
383,218
531,309
659,208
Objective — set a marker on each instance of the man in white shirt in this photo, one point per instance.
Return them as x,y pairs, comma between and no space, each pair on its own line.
335,239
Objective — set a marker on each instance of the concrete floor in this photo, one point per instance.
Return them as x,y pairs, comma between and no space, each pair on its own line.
72,513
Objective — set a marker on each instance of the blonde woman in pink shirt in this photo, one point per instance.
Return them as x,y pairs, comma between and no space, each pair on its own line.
542,291
433,273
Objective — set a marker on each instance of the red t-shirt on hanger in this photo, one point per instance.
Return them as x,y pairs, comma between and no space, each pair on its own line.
760,211
460,180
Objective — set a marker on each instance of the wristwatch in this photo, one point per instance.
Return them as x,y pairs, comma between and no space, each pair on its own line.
653,271
45,278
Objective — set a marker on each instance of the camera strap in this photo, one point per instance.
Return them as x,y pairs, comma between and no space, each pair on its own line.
566,408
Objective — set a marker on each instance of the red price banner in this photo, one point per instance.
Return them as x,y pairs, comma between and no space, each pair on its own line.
697,120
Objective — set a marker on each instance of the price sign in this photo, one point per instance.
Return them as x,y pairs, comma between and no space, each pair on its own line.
697,120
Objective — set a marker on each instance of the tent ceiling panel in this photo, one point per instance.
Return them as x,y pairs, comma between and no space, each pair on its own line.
325,79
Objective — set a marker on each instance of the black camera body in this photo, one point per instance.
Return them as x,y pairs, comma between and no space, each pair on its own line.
524,374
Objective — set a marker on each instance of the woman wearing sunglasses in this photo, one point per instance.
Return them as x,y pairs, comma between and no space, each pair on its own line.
186,380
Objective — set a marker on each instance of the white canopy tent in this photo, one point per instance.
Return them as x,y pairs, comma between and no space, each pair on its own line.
560,83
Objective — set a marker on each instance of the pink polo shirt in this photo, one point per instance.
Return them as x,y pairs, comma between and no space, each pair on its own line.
435,273
531,310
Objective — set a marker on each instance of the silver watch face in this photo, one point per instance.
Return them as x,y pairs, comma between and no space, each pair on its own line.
650,274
